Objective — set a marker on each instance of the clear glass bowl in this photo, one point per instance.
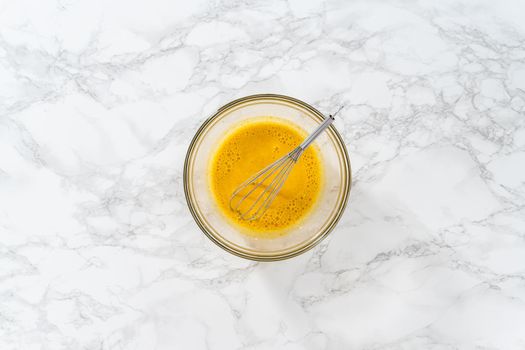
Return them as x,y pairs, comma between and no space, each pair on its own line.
299,238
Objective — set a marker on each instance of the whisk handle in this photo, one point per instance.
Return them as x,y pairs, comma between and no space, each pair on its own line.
325,124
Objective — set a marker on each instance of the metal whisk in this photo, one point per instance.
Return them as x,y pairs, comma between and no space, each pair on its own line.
255,195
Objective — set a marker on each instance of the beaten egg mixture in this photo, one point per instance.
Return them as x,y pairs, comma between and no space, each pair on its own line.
250,147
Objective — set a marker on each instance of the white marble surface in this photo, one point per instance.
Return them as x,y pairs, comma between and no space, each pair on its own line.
98,103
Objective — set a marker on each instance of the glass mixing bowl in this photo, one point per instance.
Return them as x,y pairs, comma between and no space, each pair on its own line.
298,238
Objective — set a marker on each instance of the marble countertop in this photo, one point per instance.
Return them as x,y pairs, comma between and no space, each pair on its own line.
100,99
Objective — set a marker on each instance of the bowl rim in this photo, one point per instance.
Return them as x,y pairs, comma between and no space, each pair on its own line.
266,257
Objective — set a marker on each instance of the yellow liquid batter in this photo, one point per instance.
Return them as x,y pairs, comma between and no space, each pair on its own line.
252,146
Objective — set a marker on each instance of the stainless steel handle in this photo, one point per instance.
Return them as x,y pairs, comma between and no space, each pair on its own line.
326,123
